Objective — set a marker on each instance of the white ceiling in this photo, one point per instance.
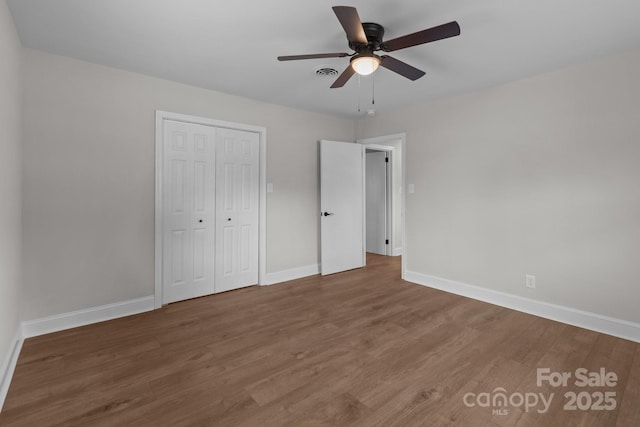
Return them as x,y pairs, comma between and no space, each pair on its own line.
232,46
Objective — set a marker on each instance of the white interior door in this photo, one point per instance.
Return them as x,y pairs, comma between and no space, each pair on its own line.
376,188
188,211
237,177
342,206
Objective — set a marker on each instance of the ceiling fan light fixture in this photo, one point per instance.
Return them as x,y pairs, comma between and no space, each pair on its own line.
365,38
365,64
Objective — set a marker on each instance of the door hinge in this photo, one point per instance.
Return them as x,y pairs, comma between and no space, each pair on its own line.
386,160
386,242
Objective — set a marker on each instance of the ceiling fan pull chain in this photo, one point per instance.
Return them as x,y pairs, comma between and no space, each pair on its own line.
373,90
359,93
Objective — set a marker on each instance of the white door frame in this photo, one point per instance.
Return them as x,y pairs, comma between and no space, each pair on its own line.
161,116
378,143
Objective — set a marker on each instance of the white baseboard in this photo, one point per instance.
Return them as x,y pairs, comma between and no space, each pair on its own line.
292,274
584,319
9,365
32,328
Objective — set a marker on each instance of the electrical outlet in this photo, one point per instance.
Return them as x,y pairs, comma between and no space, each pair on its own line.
530,281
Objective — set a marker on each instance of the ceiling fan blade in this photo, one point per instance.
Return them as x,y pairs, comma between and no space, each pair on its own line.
444,31
401,68
313,56
348,17
344,77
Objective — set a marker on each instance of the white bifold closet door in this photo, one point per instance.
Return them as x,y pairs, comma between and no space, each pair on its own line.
237,167
210,210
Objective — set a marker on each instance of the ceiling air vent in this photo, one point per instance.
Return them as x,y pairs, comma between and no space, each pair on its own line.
326,72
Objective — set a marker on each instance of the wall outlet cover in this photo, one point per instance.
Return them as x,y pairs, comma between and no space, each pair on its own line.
530,281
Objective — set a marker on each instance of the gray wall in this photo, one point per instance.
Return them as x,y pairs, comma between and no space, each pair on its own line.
10,181
89,179
538,176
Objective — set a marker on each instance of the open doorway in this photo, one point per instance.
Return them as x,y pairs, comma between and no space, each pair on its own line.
379,212
384,184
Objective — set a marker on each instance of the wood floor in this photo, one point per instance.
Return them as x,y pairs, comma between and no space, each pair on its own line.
356,348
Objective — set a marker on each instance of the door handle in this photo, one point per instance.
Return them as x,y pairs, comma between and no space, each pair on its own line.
327,213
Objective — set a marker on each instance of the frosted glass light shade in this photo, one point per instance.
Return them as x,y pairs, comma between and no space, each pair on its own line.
365,65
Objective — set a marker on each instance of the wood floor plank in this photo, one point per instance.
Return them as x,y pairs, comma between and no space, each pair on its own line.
629,404
360,348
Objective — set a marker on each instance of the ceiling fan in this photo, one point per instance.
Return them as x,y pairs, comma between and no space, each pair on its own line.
365,38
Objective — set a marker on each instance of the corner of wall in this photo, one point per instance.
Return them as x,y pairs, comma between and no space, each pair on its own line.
11,91
9,365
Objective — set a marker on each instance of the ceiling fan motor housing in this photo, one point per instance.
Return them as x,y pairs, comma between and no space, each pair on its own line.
374,33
